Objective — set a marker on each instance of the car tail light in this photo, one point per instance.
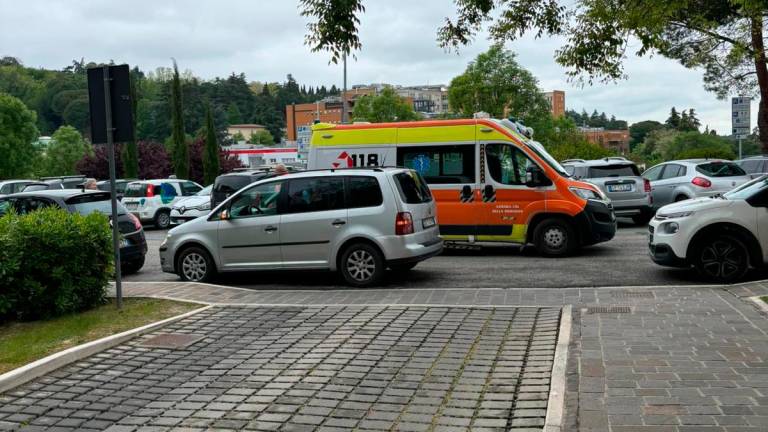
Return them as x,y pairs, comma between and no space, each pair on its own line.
150,190
701,182
647,184
135,220
404,223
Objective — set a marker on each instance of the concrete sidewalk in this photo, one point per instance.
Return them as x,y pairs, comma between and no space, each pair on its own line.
643,359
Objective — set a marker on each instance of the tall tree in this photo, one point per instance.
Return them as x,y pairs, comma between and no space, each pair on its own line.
233,114
211,150
673,121
495,83
17,131
178,137
66,149
130,151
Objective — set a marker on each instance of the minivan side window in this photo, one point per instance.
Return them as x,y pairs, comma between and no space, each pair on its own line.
363,191
259,200
506,164
7,188
451,164
315,194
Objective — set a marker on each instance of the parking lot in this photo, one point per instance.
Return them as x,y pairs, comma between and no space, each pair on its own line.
622,261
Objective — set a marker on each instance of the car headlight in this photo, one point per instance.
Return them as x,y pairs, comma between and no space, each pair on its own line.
206,206
587,194
671,227
677,215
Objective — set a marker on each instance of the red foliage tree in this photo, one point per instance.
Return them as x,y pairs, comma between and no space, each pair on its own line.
227,162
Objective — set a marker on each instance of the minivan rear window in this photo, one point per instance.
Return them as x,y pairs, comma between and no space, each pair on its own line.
720,169
136,190
413,189
622,170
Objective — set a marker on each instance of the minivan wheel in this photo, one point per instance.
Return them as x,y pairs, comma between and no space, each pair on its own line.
724,259
163,219
362,265
554,238
195,265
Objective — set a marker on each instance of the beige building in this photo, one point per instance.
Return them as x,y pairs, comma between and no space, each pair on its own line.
246,130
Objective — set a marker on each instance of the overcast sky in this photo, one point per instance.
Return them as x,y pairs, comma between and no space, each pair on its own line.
265,40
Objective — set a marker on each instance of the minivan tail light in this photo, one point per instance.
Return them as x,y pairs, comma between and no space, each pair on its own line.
647,184
701,182
403,223
150,190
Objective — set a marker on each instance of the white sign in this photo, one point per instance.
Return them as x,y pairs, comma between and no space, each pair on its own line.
740,116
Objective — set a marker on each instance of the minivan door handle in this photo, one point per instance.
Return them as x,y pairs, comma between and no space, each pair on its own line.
338,222
270,229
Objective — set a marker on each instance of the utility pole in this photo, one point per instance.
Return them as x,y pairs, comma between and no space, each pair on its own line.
344,93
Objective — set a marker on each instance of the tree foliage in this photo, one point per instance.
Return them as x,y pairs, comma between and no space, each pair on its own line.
66,149
595,120
495,83
387,106
211,151
17,132
180,148
638,131
261,137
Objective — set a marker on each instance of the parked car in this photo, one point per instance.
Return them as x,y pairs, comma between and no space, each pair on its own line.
692,178
120,185
8,187
755,166
133,246
620,180
151,200
722,236
356,221
192,207
43,185
68,182
227,184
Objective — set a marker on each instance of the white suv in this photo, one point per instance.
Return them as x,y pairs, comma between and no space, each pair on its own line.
722,236
152,200
356,221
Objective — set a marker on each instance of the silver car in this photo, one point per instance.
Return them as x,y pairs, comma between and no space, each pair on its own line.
356,221
8,187
620,180
692,178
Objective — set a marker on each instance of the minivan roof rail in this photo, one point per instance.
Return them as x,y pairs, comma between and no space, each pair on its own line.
621,158
573,160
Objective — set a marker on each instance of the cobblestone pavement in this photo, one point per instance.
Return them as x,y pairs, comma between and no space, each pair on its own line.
311,368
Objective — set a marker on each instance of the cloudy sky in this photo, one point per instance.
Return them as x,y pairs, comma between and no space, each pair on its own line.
265,40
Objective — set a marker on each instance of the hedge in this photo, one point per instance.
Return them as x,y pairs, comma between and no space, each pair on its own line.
53,263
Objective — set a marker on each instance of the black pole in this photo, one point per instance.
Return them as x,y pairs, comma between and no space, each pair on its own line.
112,188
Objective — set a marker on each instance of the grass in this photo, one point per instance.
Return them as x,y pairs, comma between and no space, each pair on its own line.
765,299
25,342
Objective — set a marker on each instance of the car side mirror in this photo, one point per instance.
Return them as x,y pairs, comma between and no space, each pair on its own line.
534,177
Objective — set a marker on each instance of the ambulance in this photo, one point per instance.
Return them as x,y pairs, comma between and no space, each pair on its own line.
491,181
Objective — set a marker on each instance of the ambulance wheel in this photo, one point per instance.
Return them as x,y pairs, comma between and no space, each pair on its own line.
555,237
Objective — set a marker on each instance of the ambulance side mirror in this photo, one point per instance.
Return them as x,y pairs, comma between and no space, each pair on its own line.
534,177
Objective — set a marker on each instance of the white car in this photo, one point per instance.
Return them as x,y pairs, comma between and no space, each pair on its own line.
722,236
151,200
192,207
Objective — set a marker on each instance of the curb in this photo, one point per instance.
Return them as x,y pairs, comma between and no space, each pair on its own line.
556,402
48,364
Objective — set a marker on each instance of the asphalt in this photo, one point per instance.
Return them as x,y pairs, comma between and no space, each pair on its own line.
622,261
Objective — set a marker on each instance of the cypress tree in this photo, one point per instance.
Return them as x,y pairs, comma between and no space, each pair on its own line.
130,155
178,138
211,151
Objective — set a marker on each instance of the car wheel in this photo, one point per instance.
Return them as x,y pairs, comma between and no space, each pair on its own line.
681,198
723,259
362,265
195,265
163,219
398,268
131,267
554,238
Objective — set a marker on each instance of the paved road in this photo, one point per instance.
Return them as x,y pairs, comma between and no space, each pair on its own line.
621,262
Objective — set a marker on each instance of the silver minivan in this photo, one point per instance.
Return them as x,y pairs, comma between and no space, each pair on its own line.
356,221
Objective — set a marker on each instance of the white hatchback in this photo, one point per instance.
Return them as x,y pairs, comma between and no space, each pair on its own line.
192,207
722,236
151,200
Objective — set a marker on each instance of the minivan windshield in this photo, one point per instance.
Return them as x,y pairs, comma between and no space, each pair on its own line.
748,189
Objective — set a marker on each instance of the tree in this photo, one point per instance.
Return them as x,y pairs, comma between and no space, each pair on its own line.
17,131
66,149
639,130
178,137
495,83
724,38
386,106
153,161
673,121
130,151
211,151
233,114
689,122
262,137
238,137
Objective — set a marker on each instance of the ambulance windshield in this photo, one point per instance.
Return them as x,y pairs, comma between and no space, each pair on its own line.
536,147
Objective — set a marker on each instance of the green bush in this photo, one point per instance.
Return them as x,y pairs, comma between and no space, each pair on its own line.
52,263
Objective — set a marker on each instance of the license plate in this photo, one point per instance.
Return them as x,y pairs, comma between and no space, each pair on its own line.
131,206
428,222
620,188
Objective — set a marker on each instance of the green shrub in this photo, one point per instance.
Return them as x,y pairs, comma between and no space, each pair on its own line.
52,263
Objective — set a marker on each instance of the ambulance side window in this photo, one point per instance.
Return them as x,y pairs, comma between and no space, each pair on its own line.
440,164
506,163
